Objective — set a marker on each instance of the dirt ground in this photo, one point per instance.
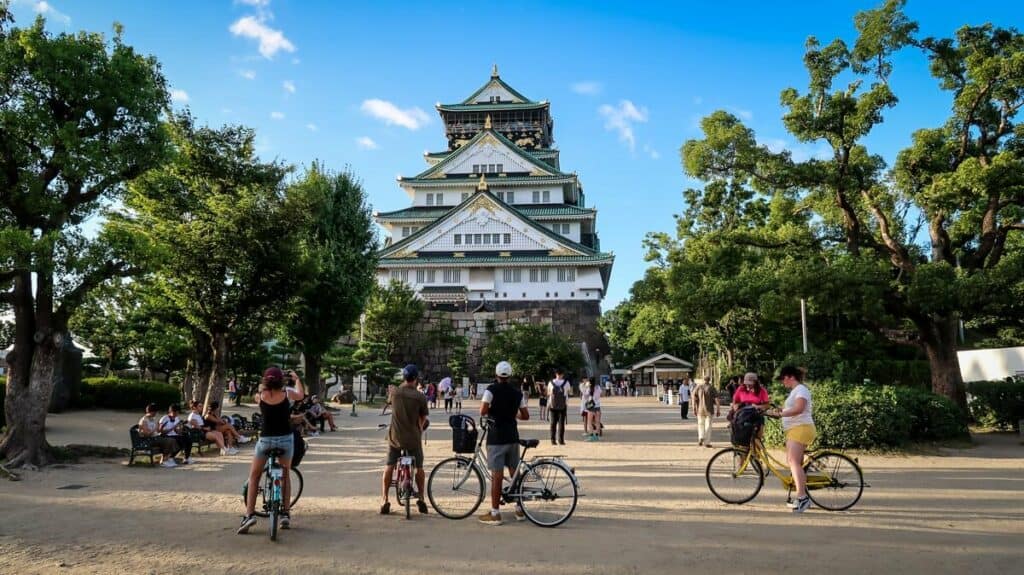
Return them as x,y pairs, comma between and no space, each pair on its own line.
646,509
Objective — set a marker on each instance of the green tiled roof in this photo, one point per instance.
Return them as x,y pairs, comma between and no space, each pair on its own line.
438,167
489,107
528,211
492,180
496,79
600,258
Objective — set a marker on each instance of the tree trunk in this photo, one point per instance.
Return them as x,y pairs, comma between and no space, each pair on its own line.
28,396
313,386
198,374
938,334
218,371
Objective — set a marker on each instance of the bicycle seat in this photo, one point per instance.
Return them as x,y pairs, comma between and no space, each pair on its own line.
529,442
275,452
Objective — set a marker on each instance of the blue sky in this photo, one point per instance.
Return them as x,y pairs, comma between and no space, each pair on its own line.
354,84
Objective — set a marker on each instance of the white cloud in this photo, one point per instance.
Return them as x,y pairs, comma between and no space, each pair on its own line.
651,152
179,96
365,143
312,127
256,3
411,118
799,152
271,41
622,118
47,10
277,115
742,113
247,74
588,88
288,86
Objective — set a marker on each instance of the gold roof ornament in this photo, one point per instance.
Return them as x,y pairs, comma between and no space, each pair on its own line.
487,122
494,71
482,186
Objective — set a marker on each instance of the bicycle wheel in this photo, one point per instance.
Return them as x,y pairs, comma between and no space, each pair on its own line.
546,492
296,486
273,525
834,481
455,488
732,478
407,495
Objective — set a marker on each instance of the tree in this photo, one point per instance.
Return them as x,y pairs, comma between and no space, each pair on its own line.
224,244
534,351
79,118
391,313
371,360
856,230
339,253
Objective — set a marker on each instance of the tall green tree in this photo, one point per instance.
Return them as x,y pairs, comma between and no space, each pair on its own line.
855,240
224,243
80,116
391,313
339,254
534,351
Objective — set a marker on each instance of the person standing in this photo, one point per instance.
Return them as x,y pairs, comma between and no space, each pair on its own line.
431,392
558,405
233,392
445,389
408,418
503,404
684,398
542,400
593,404
798,425
705,406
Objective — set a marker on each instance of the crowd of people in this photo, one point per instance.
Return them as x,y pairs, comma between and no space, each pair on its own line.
175,435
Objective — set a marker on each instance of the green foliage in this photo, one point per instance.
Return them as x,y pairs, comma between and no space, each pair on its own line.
339,258
875,416
391,312
114,393
371,359
829,365
998,404
533,350
3,396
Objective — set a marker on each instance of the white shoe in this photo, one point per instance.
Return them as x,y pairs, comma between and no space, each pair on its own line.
188,461
315,434
243,439
232,451
168,463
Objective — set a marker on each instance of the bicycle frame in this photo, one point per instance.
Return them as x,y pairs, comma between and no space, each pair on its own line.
778,468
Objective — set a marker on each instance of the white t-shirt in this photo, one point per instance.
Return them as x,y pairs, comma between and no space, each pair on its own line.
684,393
167,425
196,420
563,384
595,394
489,397
803,418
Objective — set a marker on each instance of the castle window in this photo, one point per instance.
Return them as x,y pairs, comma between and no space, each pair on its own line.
536,197
495,239
477,239
524,294
512,276
544,274
440,199
430,199
507,238
490,168
452,276
547,196
534,276
487,239
431,276
501,196
476,168
501,168
566,274
510,197
465,195
420,276
458,239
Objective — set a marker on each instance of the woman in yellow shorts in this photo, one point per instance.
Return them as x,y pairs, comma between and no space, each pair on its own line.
798,424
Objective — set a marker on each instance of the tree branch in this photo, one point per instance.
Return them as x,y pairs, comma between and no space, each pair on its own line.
74,298
897,252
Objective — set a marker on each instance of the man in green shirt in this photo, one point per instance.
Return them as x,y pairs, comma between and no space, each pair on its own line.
408,419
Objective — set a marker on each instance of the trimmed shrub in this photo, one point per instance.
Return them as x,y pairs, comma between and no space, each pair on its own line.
998,404
115,393
875,416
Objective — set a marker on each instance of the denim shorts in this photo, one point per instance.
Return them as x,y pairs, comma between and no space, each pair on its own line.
285,442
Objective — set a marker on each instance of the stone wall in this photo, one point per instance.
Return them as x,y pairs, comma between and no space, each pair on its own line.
575,319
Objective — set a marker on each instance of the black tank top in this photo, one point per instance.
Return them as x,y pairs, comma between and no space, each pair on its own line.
505,404
276,420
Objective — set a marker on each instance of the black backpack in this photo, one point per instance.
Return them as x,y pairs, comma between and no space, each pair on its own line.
557,402
745,424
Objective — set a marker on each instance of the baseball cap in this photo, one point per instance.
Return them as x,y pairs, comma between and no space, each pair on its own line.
273,372
503,369
410,372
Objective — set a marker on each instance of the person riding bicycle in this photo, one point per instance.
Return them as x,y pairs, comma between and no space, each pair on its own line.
503,403
275,433
408,419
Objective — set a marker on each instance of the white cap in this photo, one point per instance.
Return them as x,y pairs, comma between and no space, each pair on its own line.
503,369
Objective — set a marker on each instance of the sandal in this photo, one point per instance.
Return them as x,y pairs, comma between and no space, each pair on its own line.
386,508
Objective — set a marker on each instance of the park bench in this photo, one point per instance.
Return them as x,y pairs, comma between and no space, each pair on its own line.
244,426
199,440
141,445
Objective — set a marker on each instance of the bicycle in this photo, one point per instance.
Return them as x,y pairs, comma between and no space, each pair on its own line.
404,480
544,488
271,493
735,475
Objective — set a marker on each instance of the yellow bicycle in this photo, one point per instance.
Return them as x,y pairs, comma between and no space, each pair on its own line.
736,474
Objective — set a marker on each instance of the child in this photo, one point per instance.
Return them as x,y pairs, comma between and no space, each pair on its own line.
543,400
458,399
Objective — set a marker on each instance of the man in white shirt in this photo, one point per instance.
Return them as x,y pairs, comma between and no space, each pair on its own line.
684,398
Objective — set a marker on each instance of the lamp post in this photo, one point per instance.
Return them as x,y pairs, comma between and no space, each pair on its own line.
803,321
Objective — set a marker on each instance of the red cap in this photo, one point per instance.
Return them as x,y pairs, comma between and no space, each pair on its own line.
273,373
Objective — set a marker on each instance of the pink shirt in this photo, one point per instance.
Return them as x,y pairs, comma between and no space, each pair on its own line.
747,395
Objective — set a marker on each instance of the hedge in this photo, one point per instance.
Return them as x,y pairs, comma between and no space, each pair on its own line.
876,416
998,404
115,393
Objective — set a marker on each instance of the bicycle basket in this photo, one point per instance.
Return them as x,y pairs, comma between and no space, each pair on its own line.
744,425
464,433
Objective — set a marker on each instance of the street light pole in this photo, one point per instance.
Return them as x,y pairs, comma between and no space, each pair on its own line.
803,321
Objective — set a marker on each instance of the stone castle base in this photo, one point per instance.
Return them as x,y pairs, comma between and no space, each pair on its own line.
426,346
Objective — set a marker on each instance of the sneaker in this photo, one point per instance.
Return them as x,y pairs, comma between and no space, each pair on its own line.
707,445
553,442
247,522
422,506
386,508
232,451
314,434
488,519
700,442
520,516
168,463
286,521
243,439
802,504
188,461
561,442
